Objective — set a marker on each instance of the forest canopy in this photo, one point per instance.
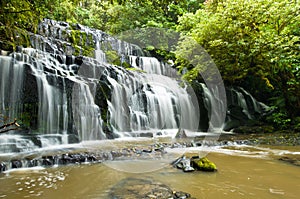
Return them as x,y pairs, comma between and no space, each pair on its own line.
254,43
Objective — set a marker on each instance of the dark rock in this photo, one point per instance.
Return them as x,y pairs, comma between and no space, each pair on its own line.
231,124
2,167
291,160
181,195
91,158
159,134
32,163
135,188
7,46
77,158
181,134
62,23
147,150
149,135
197,89
16,164
47,161
69,60
79,60
65,159
19,49
160,149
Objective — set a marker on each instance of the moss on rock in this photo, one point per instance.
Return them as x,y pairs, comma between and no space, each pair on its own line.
136,70
112,57
203,164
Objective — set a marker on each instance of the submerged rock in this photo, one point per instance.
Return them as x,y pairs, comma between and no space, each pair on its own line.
135,188
292,160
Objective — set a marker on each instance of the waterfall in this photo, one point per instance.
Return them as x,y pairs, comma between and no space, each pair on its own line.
211,101
64,90
152,103
53,83
11,74
151,65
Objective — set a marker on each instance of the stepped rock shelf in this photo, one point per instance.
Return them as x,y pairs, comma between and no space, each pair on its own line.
68,88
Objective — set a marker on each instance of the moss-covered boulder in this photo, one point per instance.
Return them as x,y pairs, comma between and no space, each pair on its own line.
203,164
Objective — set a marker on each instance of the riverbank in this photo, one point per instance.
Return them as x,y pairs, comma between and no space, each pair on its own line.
149,149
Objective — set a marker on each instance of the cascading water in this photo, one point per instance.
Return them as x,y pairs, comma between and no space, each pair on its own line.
65,91
152,66
154,102
11,86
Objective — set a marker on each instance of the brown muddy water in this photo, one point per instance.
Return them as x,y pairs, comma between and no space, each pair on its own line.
243,172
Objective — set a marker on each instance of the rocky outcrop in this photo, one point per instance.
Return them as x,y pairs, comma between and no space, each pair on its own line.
242,109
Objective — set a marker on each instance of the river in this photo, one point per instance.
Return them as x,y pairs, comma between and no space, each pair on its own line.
243,172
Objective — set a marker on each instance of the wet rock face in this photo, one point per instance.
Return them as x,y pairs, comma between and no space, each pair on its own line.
243,109
56,159
135,188
2,167
16,164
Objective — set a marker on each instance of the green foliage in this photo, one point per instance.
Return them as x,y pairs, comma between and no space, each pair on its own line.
136,70
16,17
254,44
113,57
280,119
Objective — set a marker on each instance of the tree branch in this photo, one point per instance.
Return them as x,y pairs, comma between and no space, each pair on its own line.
3,127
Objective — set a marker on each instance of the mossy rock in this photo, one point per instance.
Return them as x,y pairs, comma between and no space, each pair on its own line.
112,57
203,164
7,46
136,70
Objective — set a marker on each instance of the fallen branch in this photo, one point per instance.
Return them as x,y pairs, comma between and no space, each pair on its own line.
4,128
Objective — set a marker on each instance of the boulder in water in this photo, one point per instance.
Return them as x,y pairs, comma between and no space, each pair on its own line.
183,163
194,163
203,164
